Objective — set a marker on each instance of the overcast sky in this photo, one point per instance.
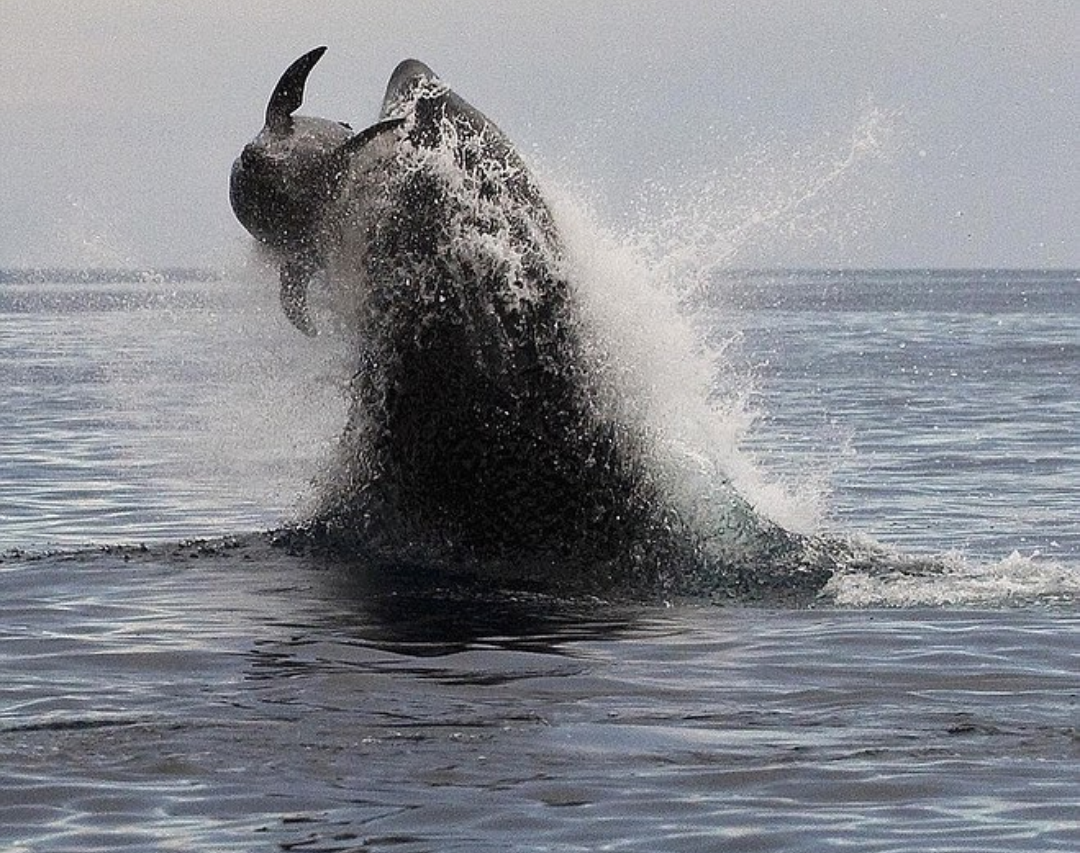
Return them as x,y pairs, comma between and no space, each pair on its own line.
793,132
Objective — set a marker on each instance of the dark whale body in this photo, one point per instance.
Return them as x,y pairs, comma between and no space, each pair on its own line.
483,433
478,424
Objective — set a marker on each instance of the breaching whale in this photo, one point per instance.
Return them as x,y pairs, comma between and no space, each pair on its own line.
482,432
478,426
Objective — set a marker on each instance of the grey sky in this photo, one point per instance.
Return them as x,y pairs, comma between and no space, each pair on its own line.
790,132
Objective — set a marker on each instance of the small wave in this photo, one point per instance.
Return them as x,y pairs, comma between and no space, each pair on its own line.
56,725
876,577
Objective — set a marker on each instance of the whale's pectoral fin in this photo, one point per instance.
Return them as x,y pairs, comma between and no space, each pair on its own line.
288,95
295,275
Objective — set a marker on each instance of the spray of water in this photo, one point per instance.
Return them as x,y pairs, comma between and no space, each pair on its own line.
665,376
645,290
769,201
642,292
635,294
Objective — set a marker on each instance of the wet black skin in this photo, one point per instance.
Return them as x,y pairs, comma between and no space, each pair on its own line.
479,435
475,430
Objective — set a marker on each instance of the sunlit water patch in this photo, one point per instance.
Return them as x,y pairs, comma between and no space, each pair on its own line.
152,410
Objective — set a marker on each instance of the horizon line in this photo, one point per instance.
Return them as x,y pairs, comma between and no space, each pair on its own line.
210,272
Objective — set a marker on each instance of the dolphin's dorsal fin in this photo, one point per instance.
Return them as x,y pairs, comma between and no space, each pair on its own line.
288,95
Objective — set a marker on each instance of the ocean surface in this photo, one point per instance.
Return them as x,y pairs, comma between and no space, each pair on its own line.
171,681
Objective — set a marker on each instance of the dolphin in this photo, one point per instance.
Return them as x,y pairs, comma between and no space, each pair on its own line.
284,180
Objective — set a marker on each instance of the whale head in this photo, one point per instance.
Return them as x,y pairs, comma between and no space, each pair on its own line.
284,180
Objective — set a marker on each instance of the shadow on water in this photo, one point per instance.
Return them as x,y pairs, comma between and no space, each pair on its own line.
422,612
417,609
407,608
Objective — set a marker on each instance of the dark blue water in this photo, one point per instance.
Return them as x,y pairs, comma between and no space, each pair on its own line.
232,696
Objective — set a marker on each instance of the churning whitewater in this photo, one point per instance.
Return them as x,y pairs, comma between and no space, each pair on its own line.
493,427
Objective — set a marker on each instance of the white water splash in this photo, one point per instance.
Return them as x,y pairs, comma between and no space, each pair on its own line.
238,411
953,580
85,232
664,375
767,202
